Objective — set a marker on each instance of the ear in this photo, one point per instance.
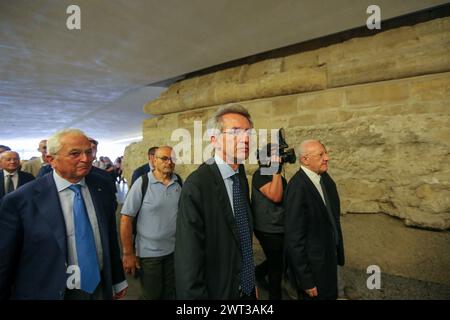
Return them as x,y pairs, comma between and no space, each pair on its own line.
213,140
50,158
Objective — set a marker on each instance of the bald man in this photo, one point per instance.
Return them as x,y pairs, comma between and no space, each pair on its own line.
11,177
34,166
313,235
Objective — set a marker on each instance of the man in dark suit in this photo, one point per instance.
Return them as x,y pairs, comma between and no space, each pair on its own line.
11,177
313,236
213,246
146,168
59,237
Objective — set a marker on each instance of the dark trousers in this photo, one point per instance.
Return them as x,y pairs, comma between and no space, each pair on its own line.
157,277
76,294
252,296
272,245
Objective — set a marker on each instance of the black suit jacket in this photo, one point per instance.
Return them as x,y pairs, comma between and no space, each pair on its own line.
207,255
24,177
311,249
33,243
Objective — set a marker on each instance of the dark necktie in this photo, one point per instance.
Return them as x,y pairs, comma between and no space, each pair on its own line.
240,214
85,243
9,184
330,213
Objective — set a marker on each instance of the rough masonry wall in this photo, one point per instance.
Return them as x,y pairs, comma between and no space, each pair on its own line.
380,103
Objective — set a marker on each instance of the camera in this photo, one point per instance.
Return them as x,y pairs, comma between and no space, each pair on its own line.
286,155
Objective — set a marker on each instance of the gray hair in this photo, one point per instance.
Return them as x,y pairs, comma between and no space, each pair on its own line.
54,142
5,153
215,123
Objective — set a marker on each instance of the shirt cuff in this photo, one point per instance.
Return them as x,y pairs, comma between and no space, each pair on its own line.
120,286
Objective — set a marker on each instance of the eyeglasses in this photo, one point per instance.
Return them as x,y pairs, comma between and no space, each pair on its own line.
166,159
75,154
238,131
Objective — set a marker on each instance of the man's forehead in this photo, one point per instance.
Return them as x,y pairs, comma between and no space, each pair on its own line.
9,155
235,119
164,151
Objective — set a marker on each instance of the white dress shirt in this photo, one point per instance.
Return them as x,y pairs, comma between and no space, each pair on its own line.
66,197
14,178
226,172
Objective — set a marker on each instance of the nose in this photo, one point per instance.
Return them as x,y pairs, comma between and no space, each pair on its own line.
86,156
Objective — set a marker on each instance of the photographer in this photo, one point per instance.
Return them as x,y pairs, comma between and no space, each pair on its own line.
268,215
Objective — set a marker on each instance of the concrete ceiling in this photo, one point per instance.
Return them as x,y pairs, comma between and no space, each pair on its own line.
99,77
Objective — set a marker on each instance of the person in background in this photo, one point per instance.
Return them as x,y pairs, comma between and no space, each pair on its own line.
146,167
11,177
268,215
33,166
155,227
3,148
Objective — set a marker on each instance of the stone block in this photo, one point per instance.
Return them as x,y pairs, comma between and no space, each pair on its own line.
318,101
376,94
431,88
301,60
229,75
263,68
286,105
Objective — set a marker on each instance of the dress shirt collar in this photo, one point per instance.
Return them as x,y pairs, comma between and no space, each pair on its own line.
311,174
6,173
62,184
225,169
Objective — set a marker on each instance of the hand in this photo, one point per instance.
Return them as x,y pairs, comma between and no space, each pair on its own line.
312,292
120,295
130,263
275,161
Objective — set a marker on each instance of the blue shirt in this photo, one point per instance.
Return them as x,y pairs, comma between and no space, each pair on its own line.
226,172
156,224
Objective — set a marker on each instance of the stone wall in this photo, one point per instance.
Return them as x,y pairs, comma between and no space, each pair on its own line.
381,104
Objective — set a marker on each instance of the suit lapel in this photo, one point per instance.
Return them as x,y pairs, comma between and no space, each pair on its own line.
19,179
95,192
46,200
2,184
315,193
222,193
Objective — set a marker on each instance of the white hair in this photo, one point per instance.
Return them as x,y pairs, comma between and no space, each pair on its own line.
5,153
303,150
54,142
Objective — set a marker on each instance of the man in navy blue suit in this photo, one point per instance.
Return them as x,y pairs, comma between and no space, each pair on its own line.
11,177
58,233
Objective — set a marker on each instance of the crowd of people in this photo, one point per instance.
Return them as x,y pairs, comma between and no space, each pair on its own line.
189,239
